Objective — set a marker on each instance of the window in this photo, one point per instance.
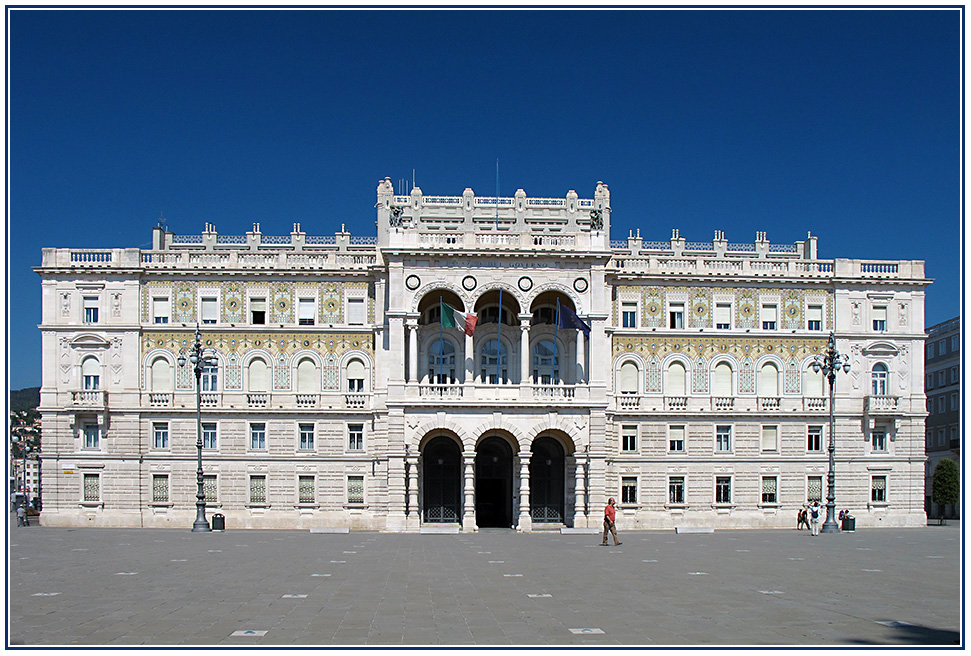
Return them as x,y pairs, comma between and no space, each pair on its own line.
770,317
259,378
722,383
930,350
257,310
355,490
307,377
305,490
356,373
92,436
160,488
878,441
814,489
942,347
209,488
355,311
676,490
954,435
769,381
723,489
930,382
544,361
306,311
493,352
814,383
955,343
257,436
770,438
878,378
91,374
941,378
723,439
160,309
628,489
677,382
355,437
940,437
209,435
441,362
629,378
306,437
92,487
629,314
878,489
257,489
814,317
676,316
628,438
954,375
723,316
676,438
770,486
880,318
160,431
209,309
954,401
161,375
210,379
90,309
940,404
814,438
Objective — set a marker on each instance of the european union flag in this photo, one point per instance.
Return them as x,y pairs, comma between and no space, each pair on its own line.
569,319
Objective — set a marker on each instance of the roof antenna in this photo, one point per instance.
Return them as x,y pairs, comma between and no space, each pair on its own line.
161,219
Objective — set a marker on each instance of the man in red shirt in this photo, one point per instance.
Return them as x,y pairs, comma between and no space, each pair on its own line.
610,514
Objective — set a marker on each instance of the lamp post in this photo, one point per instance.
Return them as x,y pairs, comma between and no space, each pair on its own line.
830,363
200,358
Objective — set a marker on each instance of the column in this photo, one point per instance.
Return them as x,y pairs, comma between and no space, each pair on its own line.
579,517
414,511
468,508
525,521
469,360
581,358
524,355
412,352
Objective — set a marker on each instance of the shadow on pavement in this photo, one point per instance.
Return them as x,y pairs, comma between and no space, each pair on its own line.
915,634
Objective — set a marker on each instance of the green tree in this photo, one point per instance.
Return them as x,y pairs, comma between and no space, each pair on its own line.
947,484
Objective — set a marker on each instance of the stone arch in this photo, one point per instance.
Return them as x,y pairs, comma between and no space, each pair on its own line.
423,433
511,432
554,287
428,288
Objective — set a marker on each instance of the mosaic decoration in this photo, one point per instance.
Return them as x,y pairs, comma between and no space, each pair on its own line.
700,377
653,375
792,377
746,377
701,308
281,373
233,373
796,348
745,315
653,307
233,302
331,373
282,302
185,302
792,310
332,303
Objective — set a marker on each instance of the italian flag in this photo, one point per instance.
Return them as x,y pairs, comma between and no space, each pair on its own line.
452,318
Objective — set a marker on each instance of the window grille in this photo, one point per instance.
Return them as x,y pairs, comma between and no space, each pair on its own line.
92,487
676,490
355,489
878,490
814,489
305,489
209,487
160,488
769,489
257,489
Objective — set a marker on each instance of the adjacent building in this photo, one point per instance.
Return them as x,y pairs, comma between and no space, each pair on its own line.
352,388
942,386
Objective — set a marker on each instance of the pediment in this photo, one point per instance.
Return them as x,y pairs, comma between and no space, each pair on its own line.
89,340
881,349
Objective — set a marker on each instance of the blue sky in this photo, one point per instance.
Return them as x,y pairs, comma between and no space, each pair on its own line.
840,122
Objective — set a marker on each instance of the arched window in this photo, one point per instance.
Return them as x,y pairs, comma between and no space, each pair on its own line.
161,375
493,356
91,373
879,377
628,378
677,382
814,383
543,362
441,362
259,378
355,375
722,383
769,380
307,377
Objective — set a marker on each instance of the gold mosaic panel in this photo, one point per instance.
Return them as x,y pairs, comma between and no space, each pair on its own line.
285,343
703,346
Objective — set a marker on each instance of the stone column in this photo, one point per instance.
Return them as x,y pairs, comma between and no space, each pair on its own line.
469,360
468,508
579,517
414,511
412,352
524,355
525,520
581,358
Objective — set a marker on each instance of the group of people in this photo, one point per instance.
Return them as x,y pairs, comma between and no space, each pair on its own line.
811,514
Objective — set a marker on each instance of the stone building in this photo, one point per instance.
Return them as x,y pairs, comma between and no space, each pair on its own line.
672,375
943,389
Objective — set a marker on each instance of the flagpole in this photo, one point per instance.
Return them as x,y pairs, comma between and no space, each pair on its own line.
556,328
441,344
499,338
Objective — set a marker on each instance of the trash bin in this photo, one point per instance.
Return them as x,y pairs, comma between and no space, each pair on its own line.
849,523
219,522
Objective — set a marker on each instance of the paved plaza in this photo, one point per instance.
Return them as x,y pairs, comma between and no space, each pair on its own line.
495,588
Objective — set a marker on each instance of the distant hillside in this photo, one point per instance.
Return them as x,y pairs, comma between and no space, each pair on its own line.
24,399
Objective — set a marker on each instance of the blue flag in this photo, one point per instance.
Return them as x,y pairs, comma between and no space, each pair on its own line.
569,319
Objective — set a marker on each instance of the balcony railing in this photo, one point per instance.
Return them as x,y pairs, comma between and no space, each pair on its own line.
257,400
628,401
160,399
307,400
769,403
723,403
554,391
440,391
356,400
879,403
814,403
209,399
676,403
89,398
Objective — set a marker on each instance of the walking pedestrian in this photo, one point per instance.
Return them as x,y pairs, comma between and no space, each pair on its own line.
21,515
610,515
803,519
814,517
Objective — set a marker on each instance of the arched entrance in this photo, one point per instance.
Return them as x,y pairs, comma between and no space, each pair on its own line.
546,477
493,483
441,481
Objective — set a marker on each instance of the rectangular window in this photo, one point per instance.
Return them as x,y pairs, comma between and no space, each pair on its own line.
257,436
954,401
209,487
723,489
629,314
930,382
160,431
941,378
257,489
770,317
814,489
814,438
676,490
942,347
628,489
305,489
770,438
257,310
92,436
723,439
355,311
770,486
676,316
940,437
209,435
628,438
954,436
209,309
306,311
955,376
880,318
355,437
930,350
676,438
355,490
90,309
723,316
160,488
940,404
91,381
955,343
306,437
92,487
160,309
814,317
878,489
878,441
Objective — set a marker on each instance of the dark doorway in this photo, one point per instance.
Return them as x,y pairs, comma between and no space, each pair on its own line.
493,483
441,481
546,491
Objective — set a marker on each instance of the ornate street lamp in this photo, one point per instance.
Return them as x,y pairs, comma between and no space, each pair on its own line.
200,358
829,364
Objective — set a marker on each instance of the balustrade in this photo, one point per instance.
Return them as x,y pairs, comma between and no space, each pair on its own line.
629,401
769,403
356,400
676,403
441,391
880,403
814,404
554,391
723,403
160,399
89,398
260,400
307,400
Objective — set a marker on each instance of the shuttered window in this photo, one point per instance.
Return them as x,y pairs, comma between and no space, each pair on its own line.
769,380
677,380
355,376
628,378
814,317
307,377
305,311
770,317
723,316
161,375
209,310
770,438
258,378
814,383
355,311
723,380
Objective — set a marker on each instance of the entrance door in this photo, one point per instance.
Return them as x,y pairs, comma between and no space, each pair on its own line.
441,481
493,483
546,491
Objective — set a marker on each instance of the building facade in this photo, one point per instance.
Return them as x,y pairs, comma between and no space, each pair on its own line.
674,376
942,386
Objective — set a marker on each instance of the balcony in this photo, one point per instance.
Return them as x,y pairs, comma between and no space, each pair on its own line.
676,403
881,405
92,399
260,400
555,392
160,399
355,400
814,403
442,391
628,402
307,400
722,403
770,403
